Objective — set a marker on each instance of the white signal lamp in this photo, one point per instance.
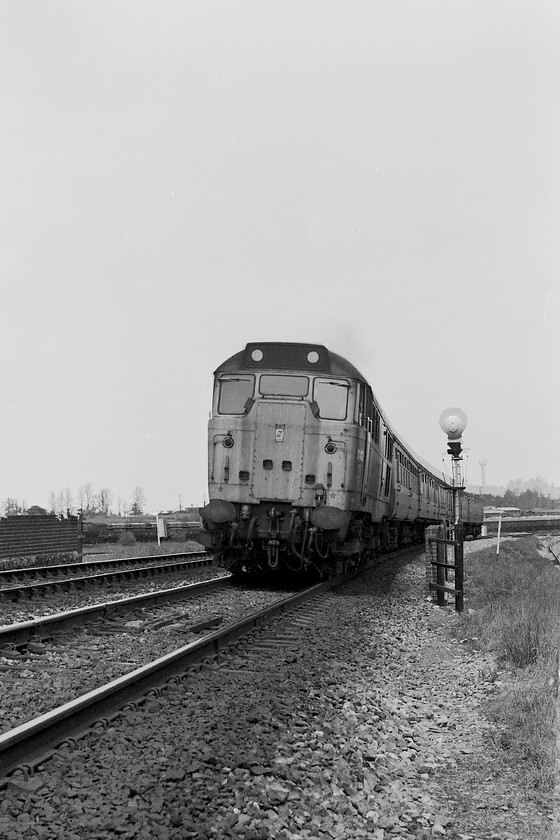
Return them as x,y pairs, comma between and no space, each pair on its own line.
453,421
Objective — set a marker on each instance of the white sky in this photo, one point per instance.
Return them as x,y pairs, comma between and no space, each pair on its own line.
180,178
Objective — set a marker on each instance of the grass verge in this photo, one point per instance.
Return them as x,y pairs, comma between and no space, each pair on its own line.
513,609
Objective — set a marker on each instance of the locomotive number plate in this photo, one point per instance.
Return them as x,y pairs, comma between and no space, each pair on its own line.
279,434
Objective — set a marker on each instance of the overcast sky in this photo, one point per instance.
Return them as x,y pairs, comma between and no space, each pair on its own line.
179,178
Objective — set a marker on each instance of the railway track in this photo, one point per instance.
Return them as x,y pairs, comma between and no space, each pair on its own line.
41,629
550,544
34,572
554,549
46,580
28,745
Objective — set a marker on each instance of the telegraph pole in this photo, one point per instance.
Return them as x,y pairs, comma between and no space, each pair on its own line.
483,470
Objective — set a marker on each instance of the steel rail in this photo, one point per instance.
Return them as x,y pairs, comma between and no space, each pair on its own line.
551,548
27,590
31,744
30,572
43,627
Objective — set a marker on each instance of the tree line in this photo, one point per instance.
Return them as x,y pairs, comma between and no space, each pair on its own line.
92,502
527,500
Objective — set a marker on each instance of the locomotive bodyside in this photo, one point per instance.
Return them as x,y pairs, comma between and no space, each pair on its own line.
304,470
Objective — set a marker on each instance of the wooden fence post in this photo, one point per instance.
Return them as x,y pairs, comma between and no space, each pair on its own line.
459,566
80,535
439,539
441,577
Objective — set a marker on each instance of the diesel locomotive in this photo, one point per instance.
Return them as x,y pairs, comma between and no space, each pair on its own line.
305,472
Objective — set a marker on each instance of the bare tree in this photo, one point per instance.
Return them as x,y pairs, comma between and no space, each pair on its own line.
60,503
85,495
11,507
104,501
68,500
138,501
52,502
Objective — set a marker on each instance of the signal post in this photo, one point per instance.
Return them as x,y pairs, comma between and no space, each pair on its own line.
453,422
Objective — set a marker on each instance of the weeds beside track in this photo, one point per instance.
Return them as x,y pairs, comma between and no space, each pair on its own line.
513,609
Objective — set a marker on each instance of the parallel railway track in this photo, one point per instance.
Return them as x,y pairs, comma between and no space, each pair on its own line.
34,572
119,570
41,629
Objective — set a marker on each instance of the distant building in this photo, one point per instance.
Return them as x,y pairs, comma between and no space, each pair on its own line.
494,512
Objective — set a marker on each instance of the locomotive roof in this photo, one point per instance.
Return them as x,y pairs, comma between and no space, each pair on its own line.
311,358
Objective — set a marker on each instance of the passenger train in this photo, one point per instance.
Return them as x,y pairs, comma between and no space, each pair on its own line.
305,472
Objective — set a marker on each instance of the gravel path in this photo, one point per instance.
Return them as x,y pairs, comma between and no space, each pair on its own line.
348,734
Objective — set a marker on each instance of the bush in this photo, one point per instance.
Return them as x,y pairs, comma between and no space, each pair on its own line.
127,538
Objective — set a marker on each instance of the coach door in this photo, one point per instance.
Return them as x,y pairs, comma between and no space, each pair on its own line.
278,453
369,419
366,491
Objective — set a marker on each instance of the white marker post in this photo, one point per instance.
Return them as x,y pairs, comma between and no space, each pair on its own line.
499,532
161,526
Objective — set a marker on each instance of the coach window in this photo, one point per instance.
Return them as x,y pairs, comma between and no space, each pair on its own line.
332,398
272,385
388,445
376,425
368,416
234,393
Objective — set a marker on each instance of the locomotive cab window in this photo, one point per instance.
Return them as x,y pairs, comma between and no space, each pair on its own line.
332,398
234,391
